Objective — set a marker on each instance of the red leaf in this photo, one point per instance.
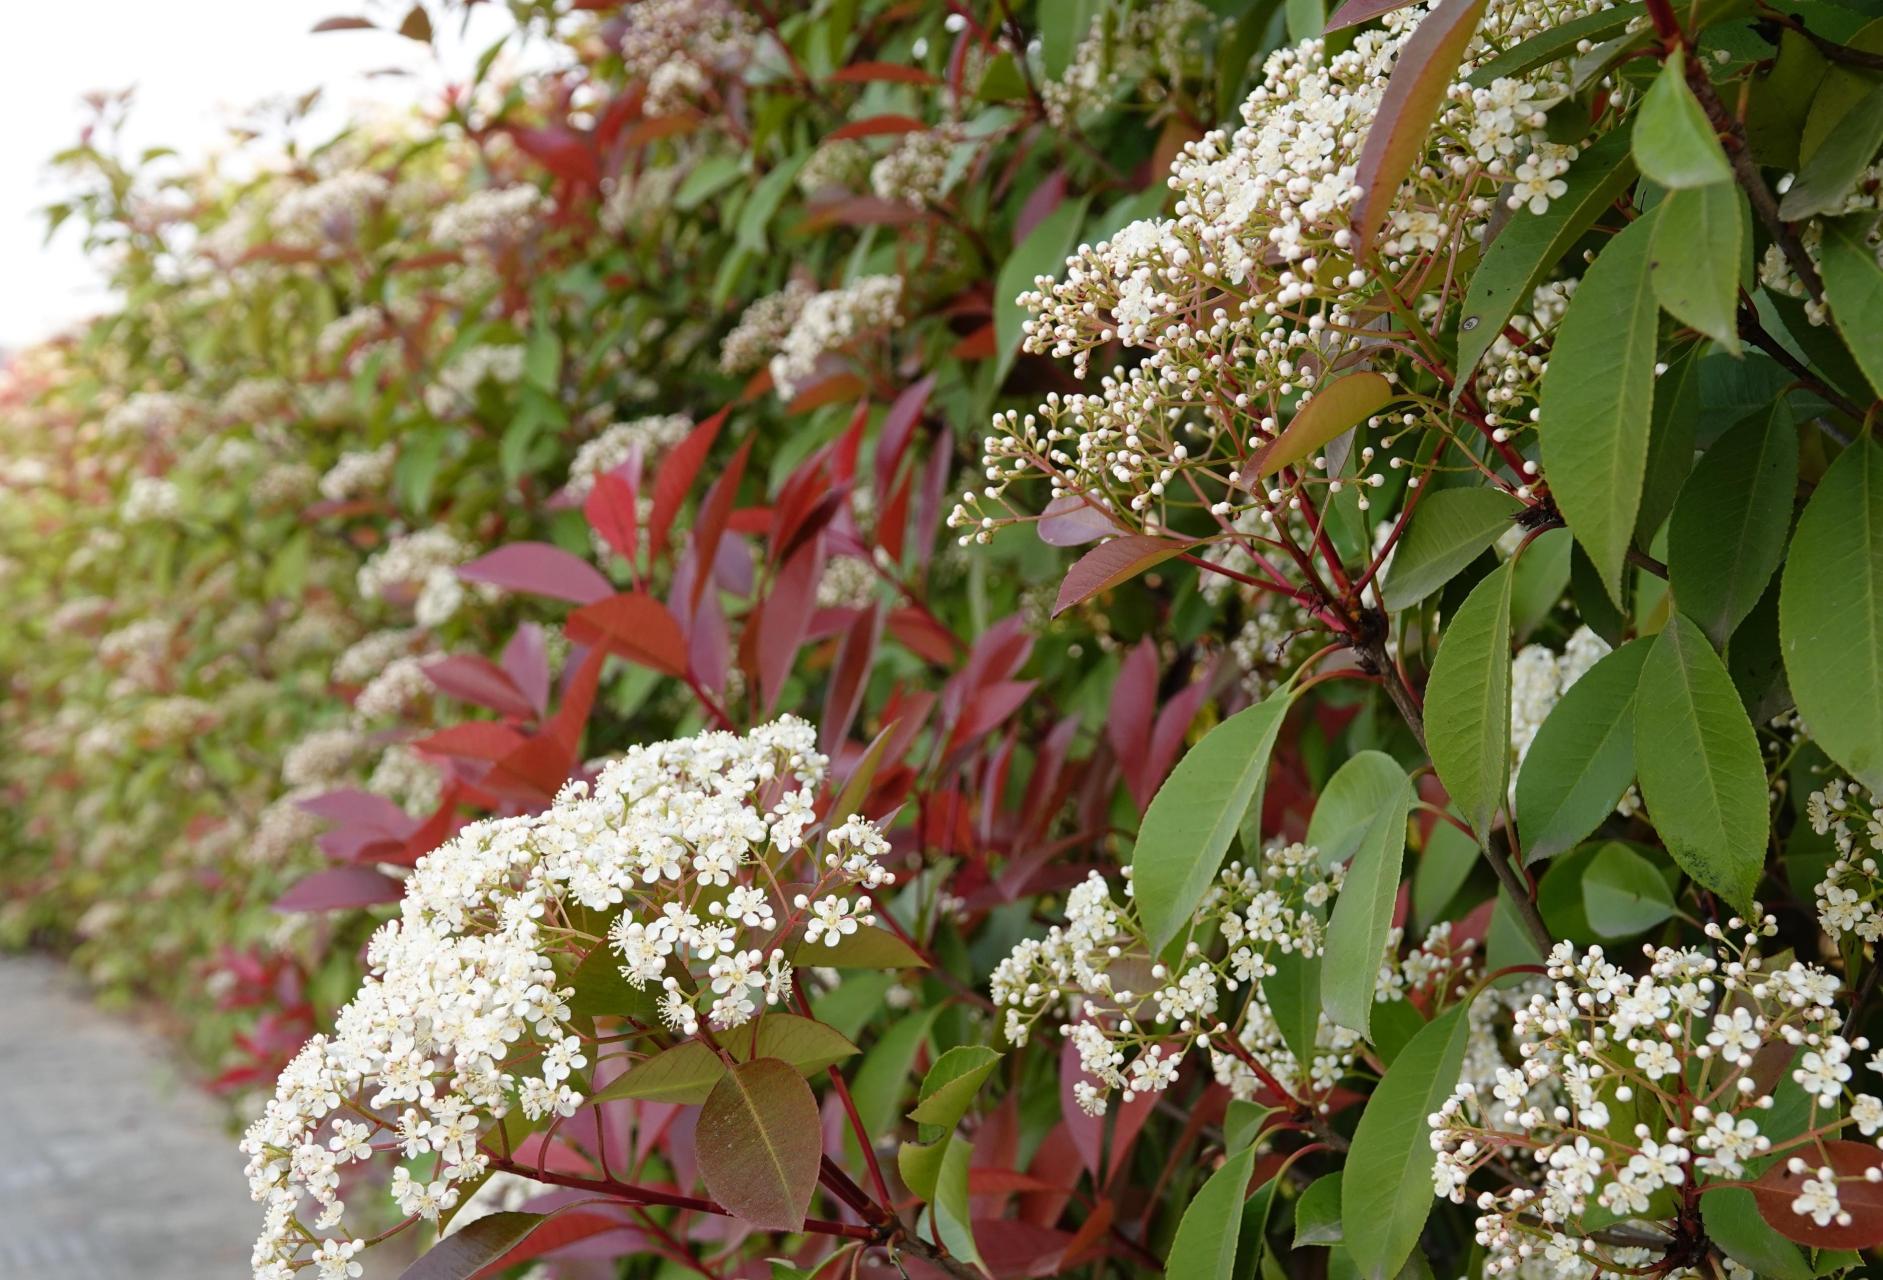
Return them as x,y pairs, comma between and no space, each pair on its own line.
578,698
675,478
1110,563
1777,1188
834,389
898,426
633,626
923,636
484,740
865,72
874,126
787,611
360,809
564,152
710,524
991,705
1071,520
1043,199
861,211
340,889
477,679
533,773
849,676
1133,703
760,1144
610,512
1354,12
557,1233
539,569
526,662
1421,75
1173,722
979,345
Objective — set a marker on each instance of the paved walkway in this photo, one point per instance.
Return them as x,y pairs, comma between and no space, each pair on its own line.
112,1165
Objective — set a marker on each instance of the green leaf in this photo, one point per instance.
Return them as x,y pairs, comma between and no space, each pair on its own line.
766,197
1042,253
1205,1245
1582,758
1242,1123
1467,703
1357,791
1731,1217
950,1204
1622,893
1699,764
1363,913
1444,866
760,1144
1531,244
1728,532
1833,169
1195,814
806,1044
1538,580
1332,411
1853,285
1386,1189
1670,448
1317,1213
1830,613
601,991
1693,263
870,947
882,1080
1598,401
685,1073
1449,528
950,1085
1673,143
1555,42
1294,997
474,1246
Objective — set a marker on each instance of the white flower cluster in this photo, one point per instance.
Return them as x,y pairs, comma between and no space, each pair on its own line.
679,46
490,218
361,473
455,388
331,211
652,435
1132,1016
916,170
1248,301
1632,1092
1539,677
1850,897
831,321
1152,44
323,756
150,498
762,327
411,559
465,1013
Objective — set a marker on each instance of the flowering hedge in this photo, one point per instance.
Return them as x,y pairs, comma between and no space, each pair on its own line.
529,644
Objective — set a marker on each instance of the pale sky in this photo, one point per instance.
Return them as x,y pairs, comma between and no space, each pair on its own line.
195,63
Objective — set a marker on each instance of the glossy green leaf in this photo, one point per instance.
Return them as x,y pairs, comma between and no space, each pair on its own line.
1582,758
1699,764
1467,703
1830,612
950,1204
1622,893
684,1073
601,990
1729,527
1386,1185
1363,913
1242,1123
950,1085
1042,253
1205,1244
1348,802
1833,169
760,1144
474,1246
806,1044
1670,451
1195,814
1731,1217
870,947
1598,401
1448,530
1334,410
1673,143
1317,1212
1294,997
1853,285
1693,264
1531,244
1555,42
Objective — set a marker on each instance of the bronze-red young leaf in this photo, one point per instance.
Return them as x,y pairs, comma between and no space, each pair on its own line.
760,1144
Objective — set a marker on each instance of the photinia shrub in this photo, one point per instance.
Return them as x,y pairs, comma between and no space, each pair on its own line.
1368,764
